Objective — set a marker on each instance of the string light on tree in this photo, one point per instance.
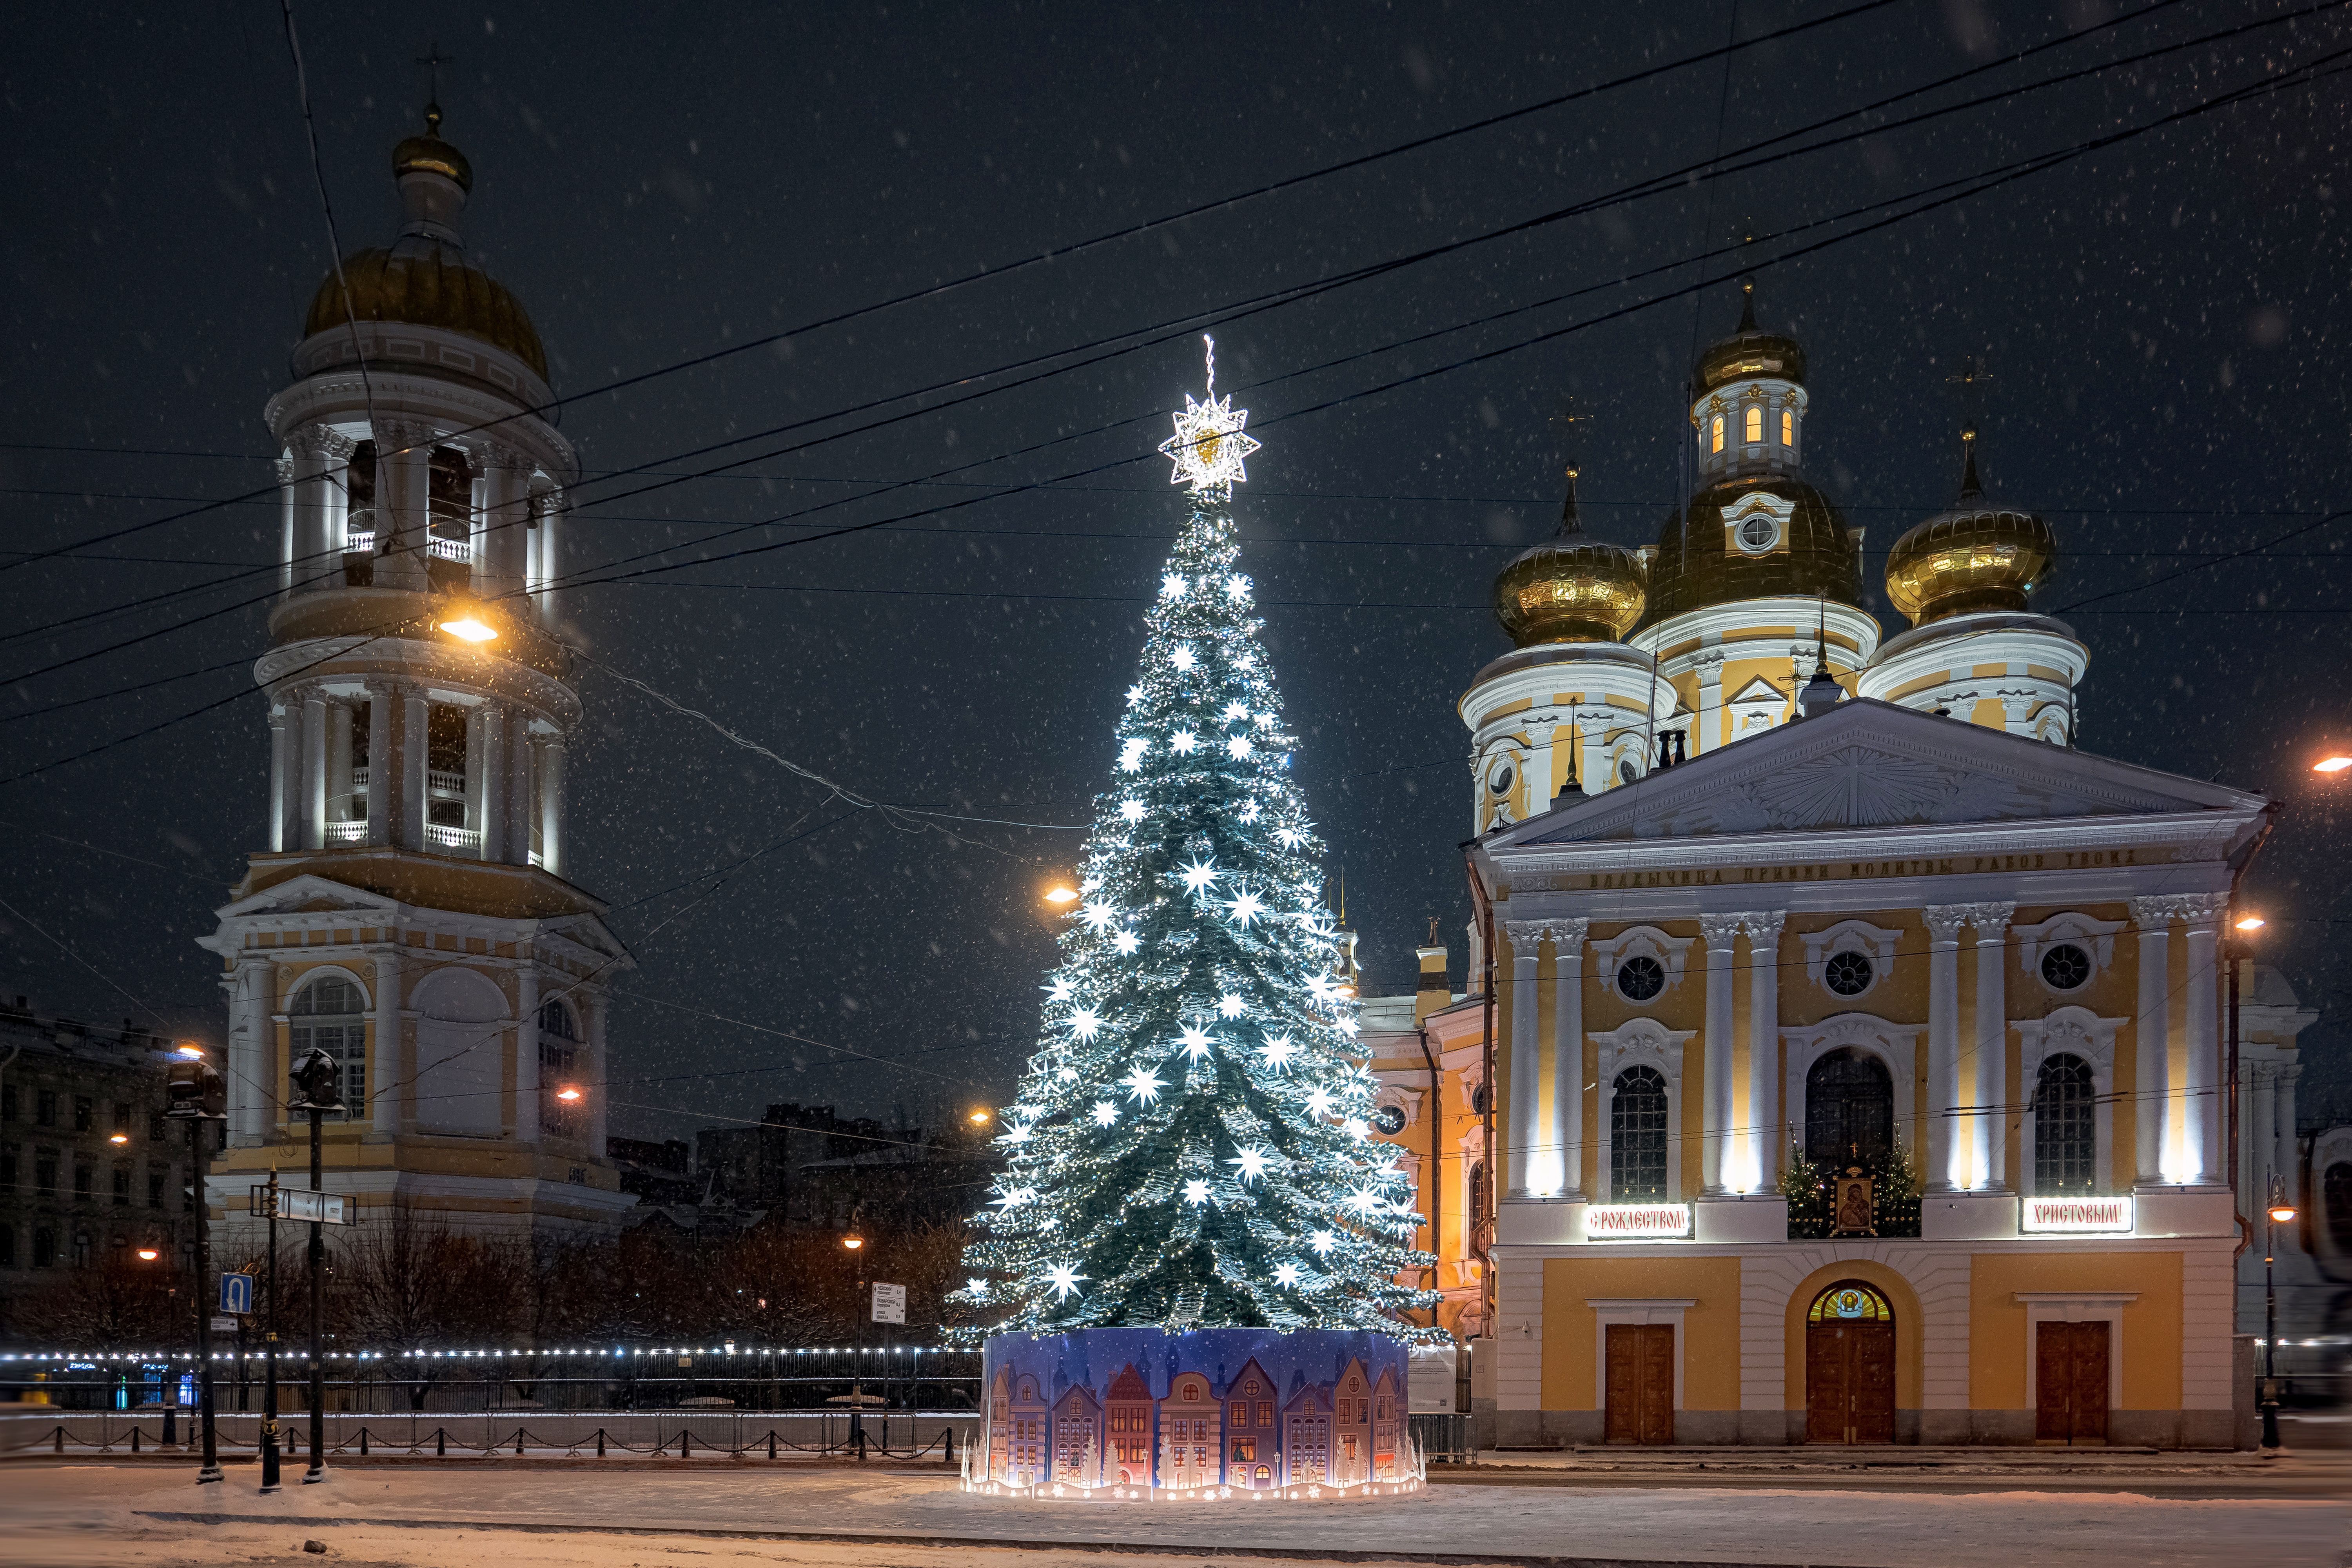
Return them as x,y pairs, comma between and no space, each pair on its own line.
1188,1107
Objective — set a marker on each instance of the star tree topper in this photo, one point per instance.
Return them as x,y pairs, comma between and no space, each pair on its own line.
1208,445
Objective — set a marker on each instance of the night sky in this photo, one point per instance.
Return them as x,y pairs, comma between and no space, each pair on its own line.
656,183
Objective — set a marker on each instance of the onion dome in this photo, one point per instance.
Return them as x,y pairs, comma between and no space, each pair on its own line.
424,278
1973,556
1749,352
1570,588
1765,538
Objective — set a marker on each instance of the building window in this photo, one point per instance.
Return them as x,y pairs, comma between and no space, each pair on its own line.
155,1133
7,1247
1641,977
1849,1112
45,1174
558,1062
156,1180
1754,423
2335,1195
2065,1126
2065,967
85,1113
7,1102
45,1108
122,1186
330,1015
1637,1136
8,1169
1716,432
122,1117
45,1248
1788,427
83,1179
1848,974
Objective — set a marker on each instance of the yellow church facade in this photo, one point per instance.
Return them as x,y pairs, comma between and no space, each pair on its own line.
1855,1040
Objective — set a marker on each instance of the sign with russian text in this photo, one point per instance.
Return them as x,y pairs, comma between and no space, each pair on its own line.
1635,1222
889,1303
2078,1215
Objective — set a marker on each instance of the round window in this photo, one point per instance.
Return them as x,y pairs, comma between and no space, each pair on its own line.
1390,1118
1848,974
2065,967
1480,1099
1500,782
1641,977
1759,534
1626,772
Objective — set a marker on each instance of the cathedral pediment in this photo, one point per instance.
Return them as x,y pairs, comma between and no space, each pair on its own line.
1872,765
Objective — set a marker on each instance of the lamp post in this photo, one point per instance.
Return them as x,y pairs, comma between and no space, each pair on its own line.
854,1244
195,1093
2281,1213
315,1075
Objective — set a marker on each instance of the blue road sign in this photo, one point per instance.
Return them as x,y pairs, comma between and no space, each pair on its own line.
237,1293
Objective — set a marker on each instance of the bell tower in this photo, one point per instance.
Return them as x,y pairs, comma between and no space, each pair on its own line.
408,911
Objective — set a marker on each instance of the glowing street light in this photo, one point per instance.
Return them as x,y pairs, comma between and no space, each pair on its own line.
567,1094
2250,922
978,1119
2335,765
149,1253
190,1051
470,629
853,1241
1061,893
2281,1214
120,1138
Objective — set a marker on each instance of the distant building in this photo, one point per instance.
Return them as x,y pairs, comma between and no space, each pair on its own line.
1078,1439
1126,1415
90,1169
1306,1437
1191,1433
1252,1432
760,1166
1352,1427
658,1172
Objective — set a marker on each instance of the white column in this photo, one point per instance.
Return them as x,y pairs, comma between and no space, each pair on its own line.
311,512
1567,1054
550,533
551,804
1988,1129
314,769
280,787
250,1036
1593,760
2284,1160
2151,1035
2260,1145
2201,1121
1539,770
506,531
518,787
597,1080
526,1118
492,782
1526,938
416,729
1721,935
388,1071
339,762
289,528
402,496
380,761
1946,1152
1763,1140
1709,728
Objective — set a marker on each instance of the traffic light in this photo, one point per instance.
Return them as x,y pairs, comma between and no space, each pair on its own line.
314,1078
193,1087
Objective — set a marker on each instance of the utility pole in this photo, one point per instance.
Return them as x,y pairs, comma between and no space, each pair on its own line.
316,1075
195,1092
269,1460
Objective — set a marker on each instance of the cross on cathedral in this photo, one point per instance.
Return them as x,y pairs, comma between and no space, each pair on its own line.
433,59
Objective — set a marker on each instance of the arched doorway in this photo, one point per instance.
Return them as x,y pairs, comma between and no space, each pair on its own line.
2336,1203
1849,1112
1849,1365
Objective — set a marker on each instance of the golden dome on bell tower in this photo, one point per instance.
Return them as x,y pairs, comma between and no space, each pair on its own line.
1971,556
1570,588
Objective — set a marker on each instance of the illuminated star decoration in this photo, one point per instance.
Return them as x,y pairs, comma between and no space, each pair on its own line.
1194,1041
1196,1191
1105,1113
1208,443
1064,1277
1127,942
1143,1084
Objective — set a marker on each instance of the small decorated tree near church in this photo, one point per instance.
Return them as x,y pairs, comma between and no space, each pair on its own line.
1192,1145
1190,1148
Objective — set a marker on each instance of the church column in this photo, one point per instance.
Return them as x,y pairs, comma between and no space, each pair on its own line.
339,762
1763,1049
403,493
518,787
492,782
526,1116
314,769
385,1081
312,510
2151,1036
1592,760
416,728
2260,1145
1540,730
2201,1117
282,787
550,531
1947,1153
1526,939
551,804
381,759
1721,935
1567,1054
474,778
1989,1128
1710,703
289,523
2284,1160
250,1034
506,515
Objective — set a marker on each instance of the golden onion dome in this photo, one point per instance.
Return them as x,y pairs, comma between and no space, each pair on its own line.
423,279
1749,352
1570,588
1970,557
1814,555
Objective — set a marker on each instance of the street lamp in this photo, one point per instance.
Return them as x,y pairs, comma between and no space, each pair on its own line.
148,1255
471,629
978,1119
316,1076
1061,893
195,1092
2335,765
2281,1213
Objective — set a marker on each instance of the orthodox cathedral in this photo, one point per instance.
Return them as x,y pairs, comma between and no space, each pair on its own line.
1842,1058
409,914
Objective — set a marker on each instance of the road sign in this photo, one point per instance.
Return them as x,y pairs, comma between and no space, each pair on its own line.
297,1203
237,1293
223,1325
889,1303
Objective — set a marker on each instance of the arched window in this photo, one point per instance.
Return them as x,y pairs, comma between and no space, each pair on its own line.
1718,434
1849,1112
1788,426
2065,1126
330,1014
559,1069
1848,1300
1475,1193
1754,423
1637,1137
2335,1193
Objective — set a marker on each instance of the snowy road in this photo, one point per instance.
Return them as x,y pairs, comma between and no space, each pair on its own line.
93,1514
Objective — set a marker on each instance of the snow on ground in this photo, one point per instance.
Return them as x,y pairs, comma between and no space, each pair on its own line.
94,1514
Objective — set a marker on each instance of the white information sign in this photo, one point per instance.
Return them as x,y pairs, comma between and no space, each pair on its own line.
1428,1379
1635,1222
889,1303
2079,1216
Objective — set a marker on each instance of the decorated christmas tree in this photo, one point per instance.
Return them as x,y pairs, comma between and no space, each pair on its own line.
1190,1147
